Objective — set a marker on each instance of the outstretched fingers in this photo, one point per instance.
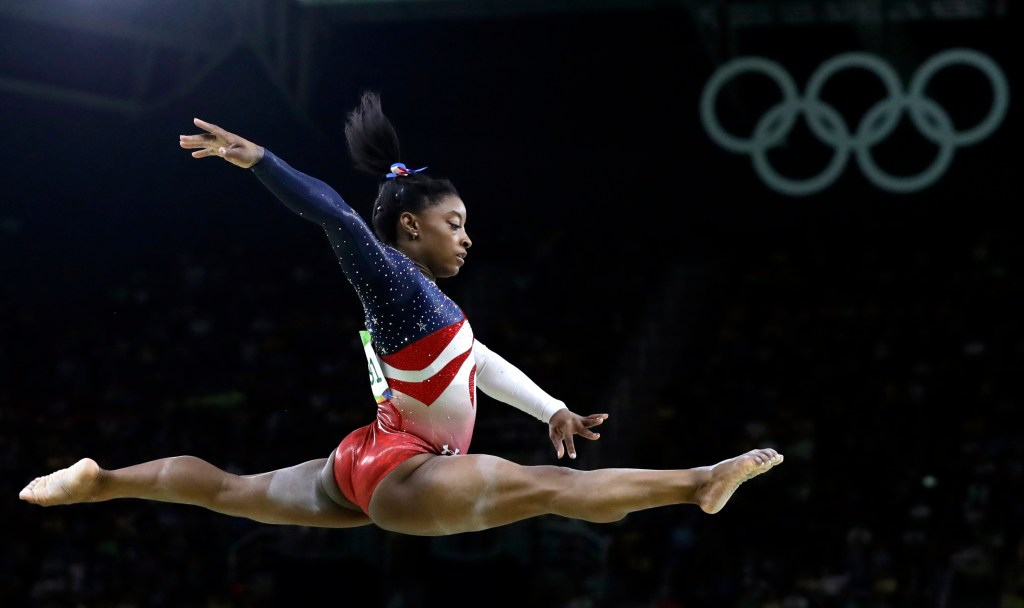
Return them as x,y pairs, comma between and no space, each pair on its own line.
568,425
203,153
592,421
586,423
209,127
204,144
563,443
217,142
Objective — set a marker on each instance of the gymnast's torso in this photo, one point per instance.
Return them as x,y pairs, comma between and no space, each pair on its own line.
423,339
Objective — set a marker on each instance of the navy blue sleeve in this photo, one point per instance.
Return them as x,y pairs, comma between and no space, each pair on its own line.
364,259
400,304
307,196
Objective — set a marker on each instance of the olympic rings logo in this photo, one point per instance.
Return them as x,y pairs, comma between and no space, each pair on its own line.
829,126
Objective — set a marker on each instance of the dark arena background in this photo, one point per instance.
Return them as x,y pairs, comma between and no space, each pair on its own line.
728,224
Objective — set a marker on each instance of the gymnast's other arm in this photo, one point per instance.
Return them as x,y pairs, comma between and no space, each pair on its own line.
507,383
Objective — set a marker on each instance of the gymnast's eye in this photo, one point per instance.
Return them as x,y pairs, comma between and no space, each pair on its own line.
454,226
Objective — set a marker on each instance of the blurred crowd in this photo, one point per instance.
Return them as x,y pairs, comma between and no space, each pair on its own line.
886,369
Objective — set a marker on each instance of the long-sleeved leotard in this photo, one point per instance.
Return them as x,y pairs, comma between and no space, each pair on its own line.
428,353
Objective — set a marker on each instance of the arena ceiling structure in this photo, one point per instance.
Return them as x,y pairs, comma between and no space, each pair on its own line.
156,51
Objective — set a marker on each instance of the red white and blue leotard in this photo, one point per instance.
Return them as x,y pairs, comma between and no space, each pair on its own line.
429,356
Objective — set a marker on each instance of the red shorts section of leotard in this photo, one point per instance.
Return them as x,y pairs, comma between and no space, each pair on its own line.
369,453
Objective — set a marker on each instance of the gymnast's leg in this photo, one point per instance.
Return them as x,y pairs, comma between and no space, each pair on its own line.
454,494
293,495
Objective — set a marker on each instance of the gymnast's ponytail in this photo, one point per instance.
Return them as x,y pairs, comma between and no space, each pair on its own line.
374,148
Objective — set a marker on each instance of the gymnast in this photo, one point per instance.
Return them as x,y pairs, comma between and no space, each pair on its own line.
410,469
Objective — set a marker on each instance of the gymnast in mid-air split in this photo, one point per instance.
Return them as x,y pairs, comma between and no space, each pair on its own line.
410,469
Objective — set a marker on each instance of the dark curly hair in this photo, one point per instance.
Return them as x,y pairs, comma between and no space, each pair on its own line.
373,146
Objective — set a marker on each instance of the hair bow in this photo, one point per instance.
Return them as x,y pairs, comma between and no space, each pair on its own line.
400,170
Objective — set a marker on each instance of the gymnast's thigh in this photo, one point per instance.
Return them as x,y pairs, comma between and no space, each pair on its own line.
430,494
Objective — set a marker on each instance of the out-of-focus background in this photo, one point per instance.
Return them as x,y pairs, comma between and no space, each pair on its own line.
729,224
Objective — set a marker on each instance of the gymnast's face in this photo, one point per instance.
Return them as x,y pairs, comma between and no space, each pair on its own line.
440,241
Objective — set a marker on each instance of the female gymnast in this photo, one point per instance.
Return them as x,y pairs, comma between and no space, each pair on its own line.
409,470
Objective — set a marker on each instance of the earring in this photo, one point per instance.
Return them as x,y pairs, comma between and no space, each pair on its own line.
415,235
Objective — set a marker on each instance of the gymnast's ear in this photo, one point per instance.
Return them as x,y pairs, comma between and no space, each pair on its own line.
408,224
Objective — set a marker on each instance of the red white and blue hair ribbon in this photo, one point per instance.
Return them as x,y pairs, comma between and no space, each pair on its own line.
400,170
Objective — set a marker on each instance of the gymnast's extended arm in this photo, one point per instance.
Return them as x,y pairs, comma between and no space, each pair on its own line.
353,242
507,383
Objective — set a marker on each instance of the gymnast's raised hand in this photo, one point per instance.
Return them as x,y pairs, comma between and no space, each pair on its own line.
217,142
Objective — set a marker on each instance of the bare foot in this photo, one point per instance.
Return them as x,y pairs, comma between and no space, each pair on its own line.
727,475
64,487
